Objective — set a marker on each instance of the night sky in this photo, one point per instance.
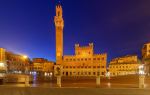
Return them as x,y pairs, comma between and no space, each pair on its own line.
117,27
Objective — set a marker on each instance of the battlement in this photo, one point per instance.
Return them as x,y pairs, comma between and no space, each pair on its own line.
59,11
102,54
58,6
91,44
78,46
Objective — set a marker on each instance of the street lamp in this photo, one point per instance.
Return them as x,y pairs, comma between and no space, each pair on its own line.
141,70
108,75
25,57
2,65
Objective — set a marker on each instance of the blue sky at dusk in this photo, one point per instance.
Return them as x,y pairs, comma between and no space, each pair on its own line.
117,27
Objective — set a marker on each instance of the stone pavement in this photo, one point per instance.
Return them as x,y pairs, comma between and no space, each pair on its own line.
7,90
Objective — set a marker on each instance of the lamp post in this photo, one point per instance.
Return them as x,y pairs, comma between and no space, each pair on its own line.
141,76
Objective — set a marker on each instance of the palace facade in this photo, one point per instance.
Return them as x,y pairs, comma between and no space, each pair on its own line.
124,65
83,63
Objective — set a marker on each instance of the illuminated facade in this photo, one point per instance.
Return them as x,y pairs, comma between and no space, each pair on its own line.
41,66
83,63
146,57
59,25
146,51
2,55
48,67
124,65
37,65
17,63
3,66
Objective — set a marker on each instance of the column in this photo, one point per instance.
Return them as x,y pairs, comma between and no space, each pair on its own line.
27,80
141,81
98,81
59,81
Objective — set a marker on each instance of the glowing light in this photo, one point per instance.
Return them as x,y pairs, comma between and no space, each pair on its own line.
141,69
45,74
34,73
51,73
109,84
25,56
2,65
19,72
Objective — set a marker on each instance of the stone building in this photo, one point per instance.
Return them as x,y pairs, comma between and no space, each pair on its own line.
3,65
146,51
146,57
83,63
41,66
15,63
124,65
2,55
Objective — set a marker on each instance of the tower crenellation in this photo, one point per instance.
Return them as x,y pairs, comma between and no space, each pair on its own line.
77,45
59,11
91,44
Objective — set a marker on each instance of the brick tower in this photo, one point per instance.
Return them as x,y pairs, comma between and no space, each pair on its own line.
59,25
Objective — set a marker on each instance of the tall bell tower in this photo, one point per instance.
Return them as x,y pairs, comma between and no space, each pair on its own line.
59,25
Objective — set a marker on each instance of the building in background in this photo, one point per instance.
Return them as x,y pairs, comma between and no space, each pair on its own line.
146,57
83,63
48,68
3,65
37,65
146,51
41,66
2,55
124,65
39,60
15,63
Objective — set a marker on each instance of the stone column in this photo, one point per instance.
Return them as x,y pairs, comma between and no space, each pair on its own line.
98,81
59,81
27,81
141,81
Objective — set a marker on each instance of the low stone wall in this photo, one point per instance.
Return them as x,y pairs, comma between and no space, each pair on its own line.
70,91
17,78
